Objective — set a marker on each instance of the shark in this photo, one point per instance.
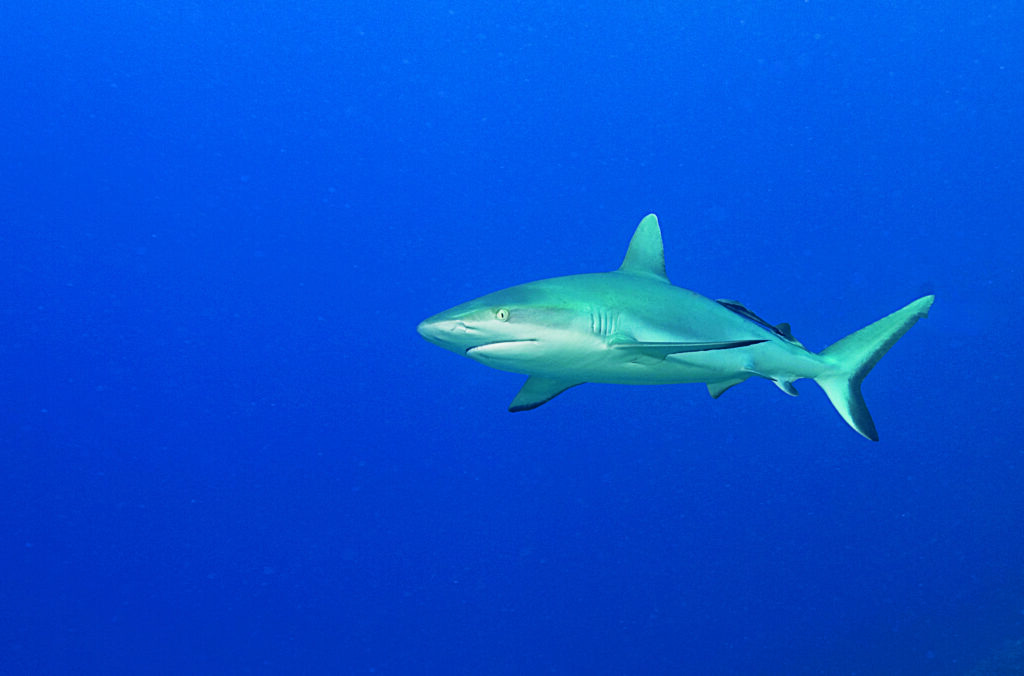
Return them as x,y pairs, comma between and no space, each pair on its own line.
631,326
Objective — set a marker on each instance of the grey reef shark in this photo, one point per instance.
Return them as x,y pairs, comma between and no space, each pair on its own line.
633,327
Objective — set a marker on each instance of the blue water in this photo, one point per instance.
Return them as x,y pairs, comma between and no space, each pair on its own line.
226,450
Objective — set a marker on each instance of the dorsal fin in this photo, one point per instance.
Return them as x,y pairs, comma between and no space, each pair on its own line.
786,331
646,254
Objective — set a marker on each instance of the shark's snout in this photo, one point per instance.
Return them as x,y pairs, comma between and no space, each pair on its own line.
432,329
444,331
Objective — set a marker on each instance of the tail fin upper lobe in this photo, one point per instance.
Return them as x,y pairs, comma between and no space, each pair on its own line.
854,356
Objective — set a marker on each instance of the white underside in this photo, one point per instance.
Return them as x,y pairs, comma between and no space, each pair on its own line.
594,361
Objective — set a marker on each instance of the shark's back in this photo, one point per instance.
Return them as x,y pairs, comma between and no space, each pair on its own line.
651,309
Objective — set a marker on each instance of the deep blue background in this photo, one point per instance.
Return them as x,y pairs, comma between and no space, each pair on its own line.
226,450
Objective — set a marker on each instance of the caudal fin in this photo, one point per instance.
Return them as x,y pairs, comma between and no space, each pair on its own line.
853,358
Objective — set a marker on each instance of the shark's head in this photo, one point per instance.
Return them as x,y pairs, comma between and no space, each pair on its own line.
542,327
518,329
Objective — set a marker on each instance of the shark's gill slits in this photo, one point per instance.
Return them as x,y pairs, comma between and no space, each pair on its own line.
602,323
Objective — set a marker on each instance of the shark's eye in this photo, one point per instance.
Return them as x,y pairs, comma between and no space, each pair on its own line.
502,314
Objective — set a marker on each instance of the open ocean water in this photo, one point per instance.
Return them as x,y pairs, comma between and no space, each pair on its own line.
224,448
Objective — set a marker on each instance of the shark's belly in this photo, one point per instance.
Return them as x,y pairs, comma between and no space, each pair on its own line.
610,366
772,359
674,369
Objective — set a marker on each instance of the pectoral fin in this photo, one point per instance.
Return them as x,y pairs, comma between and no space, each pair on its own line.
662,350
717,389
537,391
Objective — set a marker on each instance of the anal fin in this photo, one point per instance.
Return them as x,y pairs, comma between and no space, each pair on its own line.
786,386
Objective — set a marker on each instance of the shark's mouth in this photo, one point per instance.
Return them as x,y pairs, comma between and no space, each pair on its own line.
497,346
